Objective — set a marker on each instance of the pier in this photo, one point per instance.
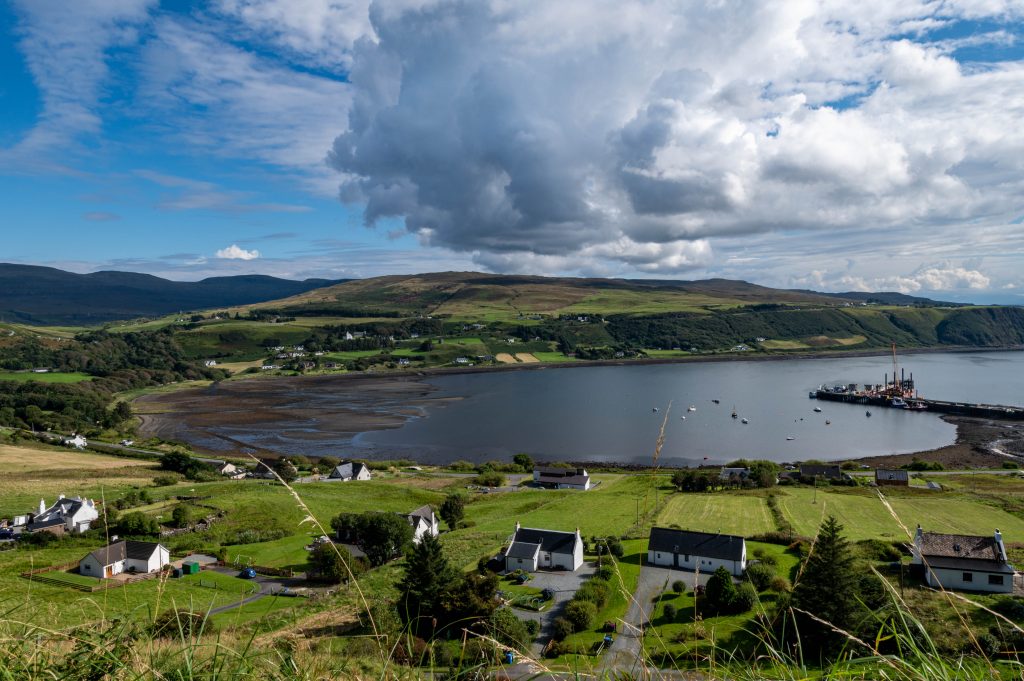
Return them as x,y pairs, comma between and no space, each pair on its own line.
990,411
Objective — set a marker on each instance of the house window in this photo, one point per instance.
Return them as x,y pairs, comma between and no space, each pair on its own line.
687,558
995,579
968,576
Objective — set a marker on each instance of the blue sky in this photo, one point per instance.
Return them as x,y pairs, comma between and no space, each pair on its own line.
811,145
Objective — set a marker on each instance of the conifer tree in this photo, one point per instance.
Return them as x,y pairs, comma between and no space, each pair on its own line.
428,577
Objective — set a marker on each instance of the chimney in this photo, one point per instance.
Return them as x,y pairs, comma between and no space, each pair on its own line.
517,526
42,507
999,545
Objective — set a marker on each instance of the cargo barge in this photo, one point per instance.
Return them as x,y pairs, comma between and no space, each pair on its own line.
901,393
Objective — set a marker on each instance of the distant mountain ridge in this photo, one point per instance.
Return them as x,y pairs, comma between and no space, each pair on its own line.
45,295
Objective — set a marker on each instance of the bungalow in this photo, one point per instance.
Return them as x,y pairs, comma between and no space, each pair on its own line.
76,441
562,478
125,556
894,477
732,474
232,471
66,515
703,551
531,549
823,471
963,562
350,470
210,363
424,522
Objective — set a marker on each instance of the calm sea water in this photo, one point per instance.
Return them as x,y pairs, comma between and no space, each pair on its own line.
606,413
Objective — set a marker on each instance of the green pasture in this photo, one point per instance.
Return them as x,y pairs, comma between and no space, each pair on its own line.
728,513
554,357
49,377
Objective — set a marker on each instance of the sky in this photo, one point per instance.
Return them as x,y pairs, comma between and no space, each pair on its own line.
830,145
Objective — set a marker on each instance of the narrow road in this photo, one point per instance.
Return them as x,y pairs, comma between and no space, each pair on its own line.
625,655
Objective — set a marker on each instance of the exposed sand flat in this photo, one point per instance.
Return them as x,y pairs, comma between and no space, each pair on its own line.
505,358
526,358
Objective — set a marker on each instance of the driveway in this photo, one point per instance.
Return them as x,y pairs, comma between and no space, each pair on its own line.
564,585
266,586
624,654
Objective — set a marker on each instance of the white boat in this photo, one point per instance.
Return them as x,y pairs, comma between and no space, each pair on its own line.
691,408
790,437
683,417
817,409
655,409
744,421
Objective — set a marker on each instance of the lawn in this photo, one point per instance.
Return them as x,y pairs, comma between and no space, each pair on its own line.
864,516
51,377
554,357
729,513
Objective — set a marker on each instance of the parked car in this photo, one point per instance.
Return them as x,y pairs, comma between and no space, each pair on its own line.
247,573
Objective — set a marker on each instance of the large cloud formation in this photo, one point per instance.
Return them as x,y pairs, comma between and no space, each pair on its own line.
602,136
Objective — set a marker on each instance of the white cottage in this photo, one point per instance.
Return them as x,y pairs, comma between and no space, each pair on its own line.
125,556
424,522
562,478
66,515
350,470
703,551
533,548
963,562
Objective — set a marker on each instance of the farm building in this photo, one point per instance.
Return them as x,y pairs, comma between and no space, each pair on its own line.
350,470
532,549
893,478
424,522
66,515
562,478
125,556
704,551
963,562
823,471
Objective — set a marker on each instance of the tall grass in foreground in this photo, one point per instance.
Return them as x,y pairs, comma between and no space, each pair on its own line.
177,642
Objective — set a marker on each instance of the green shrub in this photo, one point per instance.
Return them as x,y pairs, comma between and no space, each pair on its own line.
166,480
744,599
780,584
679,586
670,611
580,614
605,572
180,624
561,628
760,575
594,591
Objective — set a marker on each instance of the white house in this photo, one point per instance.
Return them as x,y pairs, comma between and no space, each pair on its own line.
350,470
125,556
533,548
66,515
210,363
424,522
230,470
703,551
77,441
963,562
562,478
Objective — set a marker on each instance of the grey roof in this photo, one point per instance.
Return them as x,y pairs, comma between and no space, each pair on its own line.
520,549
121,550
558,471
959,546
425,512
976,564
550,541
347,469
823,470
705,544
896,474
564,479
728,472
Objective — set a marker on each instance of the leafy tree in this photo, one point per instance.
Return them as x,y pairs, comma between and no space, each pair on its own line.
453,510
490,479
286,470
524,461
508,629
137,523
581,614
327,463
181,516
382,536
328,561
760,575
562,629
828,588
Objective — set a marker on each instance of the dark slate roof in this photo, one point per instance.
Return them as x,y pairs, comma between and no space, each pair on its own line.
976,564
959,546
705,544
564,479
136,550
520,549
550,541
558,472
425,512
894,474
52,522
823,470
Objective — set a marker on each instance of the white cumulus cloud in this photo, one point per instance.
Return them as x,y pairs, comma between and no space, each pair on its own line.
234,252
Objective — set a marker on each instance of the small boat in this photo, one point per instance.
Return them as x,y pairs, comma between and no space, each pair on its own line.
867,413
898,403
827,422
716,401
691,408
655,409
683,417
734,414
790,437
817,410
744,421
